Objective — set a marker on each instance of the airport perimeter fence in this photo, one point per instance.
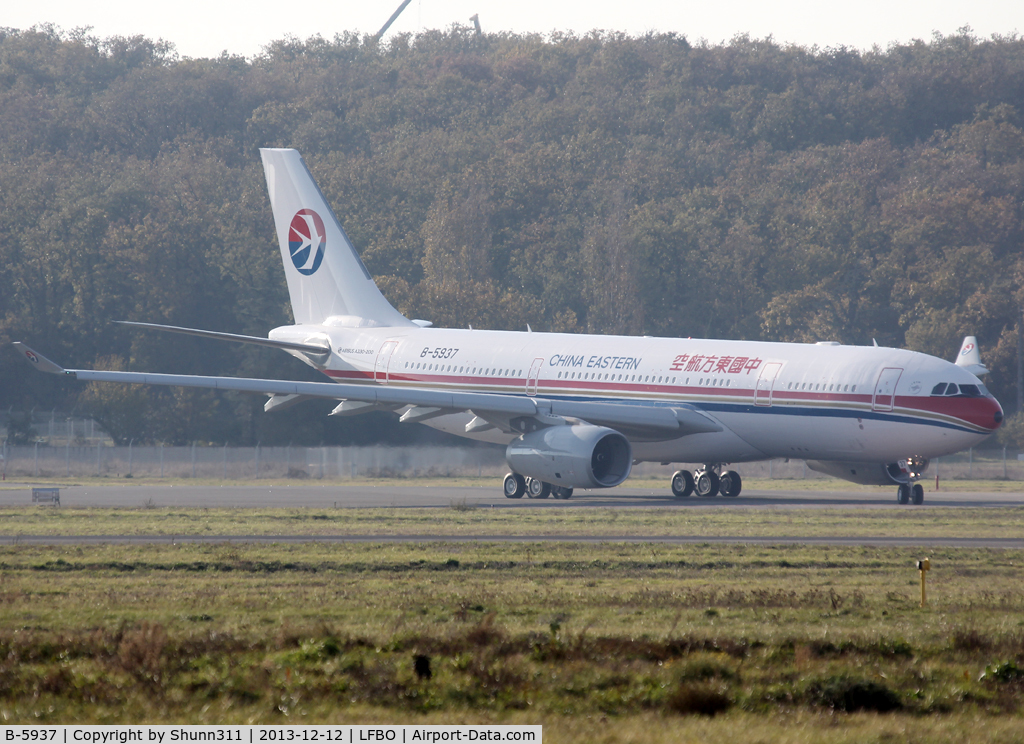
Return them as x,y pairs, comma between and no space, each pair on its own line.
346,463
244,463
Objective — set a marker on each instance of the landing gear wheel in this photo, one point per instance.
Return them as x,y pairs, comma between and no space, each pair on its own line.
903,493
682,484
705,483
917,495
537,489
514,486
730,484
561,492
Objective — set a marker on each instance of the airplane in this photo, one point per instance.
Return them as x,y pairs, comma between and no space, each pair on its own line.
577,411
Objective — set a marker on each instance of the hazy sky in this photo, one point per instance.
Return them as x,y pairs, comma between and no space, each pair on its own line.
204,28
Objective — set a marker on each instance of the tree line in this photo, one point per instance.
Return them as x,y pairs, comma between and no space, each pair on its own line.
600,183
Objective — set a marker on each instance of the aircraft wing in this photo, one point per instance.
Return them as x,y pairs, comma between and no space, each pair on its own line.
645,420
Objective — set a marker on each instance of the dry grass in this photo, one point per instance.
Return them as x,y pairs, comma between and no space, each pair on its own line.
599,642
712,638
461,519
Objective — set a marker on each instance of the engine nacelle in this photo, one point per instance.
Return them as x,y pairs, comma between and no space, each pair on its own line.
578,456
871,473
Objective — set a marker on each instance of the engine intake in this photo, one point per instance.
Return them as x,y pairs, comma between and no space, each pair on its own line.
578,456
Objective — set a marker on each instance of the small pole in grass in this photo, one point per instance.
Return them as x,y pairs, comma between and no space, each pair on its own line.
923,566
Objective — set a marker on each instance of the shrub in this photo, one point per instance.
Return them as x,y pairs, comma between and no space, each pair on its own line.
970,639
851,694
1008,671
698,699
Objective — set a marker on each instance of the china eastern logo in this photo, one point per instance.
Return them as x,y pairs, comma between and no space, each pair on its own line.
307,240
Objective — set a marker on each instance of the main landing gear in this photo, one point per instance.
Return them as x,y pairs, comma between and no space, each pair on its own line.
708,481
909,493
515,486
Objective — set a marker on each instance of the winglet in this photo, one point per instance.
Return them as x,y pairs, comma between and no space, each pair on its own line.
41,363
970,358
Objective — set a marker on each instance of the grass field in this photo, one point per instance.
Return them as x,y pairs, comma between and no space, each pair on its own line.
599,642
462,520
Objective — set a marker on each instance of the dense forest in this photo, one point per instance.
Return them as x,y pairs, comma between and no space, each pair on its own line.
602,183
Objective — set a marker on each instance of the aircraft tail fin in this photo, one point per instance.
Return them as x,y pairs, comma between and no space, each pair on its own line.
327,281
970,358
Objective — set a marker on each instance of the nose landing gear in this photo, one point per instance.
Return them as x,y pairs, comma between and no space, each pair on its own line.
909,493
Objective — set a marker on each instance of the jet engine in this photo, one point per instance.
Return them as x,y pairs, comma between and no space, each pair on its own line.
872,473
576,456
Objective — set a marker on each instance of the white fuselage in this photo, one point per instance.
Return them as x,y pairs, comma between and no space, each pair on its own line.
815,402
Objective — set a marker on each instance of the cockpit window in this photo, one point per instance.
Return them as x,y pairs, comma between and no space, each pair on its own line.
964,390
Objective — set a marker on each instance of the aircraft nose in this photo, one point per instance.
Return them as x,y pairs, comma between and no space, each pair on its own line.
990,414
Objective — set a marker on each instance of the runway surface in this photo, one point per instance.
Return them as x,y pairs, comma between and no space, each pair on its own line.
403,496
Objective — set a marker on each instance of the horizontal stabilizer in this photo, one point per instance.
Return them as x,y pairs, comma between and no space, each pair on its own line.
317,352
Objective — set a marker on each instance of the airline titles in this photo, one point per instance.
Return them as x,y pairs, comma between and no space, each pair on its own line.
594,362
713,364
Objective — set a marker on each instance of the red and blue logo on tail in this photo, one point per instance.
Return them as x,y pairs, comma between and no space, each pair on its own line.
307,241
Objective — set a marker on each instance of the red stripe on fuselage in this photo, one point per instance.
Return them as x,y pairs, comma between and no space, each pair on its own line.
979,412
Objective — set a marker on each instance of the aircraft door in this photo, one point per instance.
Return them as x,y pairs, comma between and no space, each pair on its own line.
885,389
765,383
533,380
380,369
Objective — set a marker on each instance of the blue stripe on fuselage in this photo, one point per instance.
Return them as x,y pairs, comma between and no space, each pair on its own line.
788,410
